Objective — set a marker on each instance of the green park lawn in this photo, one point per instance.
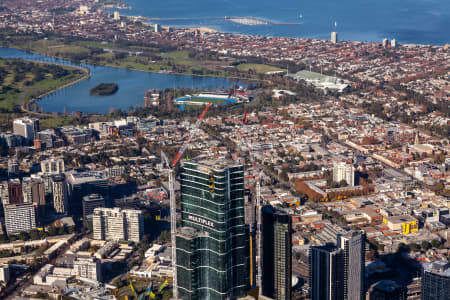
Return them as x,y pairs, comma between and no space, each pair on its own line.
258,68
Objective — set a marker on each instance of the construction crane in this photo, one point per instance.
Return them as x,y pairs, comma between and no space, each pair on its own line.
192,133
173,208
259,232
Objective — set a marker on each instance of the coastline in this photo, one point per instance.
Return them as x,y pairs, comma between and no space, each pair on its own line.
137,67
370,37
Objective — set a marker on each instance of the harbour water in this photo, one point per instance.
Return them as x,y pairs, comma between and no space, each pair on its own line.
132,86
408,21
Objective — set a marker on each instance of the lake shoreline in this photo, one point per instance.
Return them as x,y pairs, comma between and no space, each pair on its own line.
131,69
133,85
87,74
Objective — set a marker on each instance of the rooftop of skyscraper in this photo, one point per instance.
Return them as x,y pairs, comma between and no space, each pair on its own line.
116,210
78,178
92,197
441,268
388,286
207,164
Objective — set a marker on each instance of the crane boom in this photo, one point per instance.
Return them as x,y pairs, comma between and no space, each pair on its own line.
244,119
192,134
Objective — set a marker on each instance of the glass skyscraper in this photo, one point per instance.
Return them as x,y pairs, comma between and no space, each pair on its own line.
212,246
326,272
353,245
436,281
338,271
276,253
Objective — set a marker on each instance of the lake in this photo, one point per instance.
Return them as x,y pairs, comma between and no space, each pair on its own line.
408,21
132,86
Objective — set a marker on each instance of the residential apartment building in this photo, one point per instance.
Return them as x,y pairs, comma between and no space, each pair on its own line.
343,171
386,290
59,190
26,127
276,253
20,217
353,245
15,195
52,166
4,273
118,224
325,278
38,195
436,281
337,271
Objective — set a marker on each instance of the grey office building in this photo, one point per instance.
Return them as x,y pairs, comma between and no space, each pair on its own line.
83,184
91,202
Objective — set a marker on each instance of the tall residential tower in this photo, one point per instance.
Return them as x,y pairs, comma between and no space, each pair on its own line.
343,171
212,246
337,271
325,272
353,245
276,253
436,281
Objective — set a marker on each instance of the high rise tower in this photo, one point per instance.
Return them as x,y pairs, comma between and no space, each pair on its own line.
334,37
277,253
343,171
337,272
353,245
325,272
436,280
212,246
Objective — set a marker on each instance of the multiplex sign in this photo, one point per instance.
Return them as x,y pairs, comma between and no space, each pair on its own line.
200,221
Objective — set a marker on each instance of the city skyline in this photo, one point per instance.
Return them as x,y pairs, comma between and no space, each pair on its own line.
225,150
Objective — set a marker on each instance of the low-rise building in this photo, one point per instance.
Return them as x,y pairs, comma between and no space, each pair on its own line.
402,224
87,267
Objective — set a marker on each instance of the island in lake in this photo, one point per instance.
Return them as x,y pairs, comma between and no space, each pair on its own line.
104,89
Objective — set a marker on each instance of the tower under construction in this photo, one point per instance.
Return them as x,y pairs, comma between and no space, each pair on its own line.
212,245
